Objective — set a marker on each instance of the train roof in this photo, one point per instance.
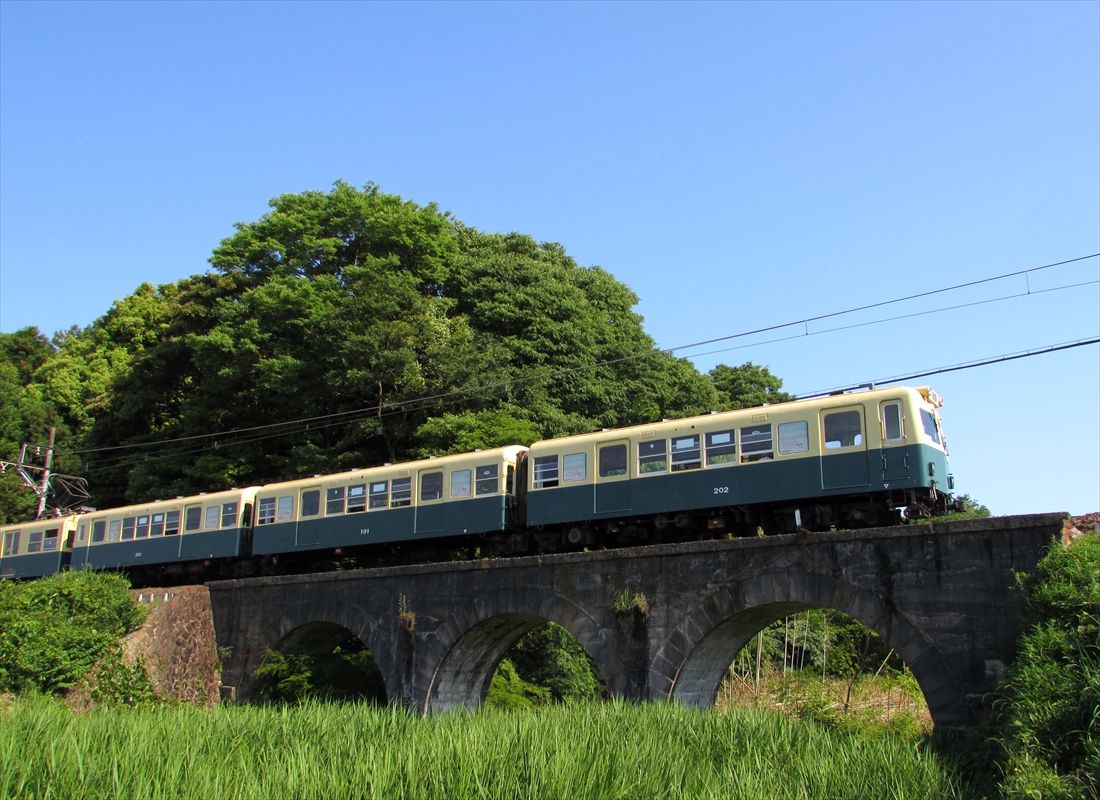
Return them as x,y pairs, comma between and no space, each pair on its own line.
783,410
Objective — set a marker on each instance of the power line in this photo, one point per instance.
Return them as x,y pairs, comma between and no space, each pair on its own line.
413,404
1040,351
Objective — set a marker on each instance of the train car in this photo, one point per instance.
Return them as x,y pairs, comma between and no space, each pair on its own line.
848,459
34,549
472,493
166,532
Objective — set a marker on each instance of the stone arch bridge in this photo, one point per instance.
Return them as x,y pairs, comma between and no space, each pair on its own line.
942,595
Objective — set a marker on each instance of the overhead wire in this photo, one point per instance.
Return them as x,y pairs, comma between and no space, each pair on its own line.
297,426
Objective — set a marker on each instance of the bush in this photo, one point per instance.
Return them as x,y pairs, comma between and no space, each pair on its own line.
52,630
1049,706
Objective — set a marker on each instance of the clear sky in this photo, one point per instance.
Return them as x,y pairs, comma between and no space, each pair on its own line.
738,165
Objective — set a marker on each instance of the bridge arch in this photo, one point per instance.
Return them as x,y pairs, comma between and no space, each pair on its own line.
691,663
471,642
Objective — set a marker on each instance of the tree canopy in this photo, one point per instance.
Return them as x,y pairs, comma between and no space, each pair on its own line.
343,329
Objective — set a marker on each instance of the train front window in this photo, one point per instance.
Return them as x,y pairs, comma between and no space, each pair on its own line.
930,427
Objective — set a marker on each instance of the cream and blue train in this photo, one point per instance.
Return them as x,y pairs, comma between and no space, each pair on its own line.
846,460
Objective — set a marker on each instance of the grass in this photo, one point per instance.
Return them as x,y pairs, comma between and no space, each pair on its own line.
600,750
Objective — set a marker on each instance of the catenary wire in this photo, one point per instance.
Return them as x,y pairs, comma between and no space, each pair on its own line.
376,411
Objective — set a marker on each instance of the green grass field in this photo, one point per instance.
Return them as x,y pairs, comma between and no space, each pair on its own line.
598,750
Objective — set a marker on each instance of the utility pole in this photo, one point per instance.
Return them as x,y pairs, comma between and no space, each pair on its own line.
44,486
70,491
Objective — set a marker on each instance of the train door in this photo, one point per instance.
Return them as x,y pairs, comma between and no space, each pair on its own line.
612,489
843,448
308,528
895,457
429,512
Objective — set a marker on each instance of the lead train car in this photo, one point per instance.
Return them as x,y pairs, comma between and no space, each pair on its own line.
838,460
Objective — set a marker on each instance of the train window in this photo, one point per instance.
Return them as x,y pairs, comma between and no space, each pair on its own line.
929,423
284,509
211,518
229,515
794,437
266,513
843,429
652,456
487,479
334,501
721,448
460,483
546,472
34,542
756,443
171,523
11,543
574,467
311,502
143,527
402,492
127,528
192,519
114,528
612,461
50,540
431,486
891,422
685,453
157,526
82,532
509,479
379,494
357,498
99,530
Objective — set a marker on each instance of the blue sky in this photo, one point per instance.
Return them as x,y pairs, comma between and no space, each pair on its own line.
738,165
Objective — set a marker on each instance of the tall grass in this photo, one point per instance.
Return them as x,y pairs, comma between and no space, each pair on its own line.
604,750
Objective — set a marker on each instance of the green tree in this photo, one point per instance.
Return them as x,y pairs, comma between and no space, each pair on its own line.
747,386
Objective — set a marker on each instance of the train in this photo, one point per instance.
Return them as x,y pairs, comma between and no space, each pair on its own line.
861,458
